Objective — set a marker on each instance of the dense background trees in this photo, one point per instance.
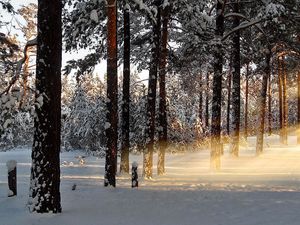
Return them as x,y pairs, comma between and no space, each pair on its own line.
208,65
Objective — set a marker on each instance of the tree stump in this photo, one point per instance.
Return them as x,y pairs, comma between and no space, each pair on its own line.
12,177
134,175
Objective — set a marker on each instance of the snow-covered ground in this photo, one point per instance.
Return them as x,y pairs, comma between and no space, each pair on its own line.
250,190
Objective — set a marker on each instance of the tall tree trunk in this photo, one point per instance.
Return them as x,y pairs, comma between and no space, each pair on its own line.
150,126
269,106
25,80
262,107
163,123
216,145
284,103
44,194
279,65
246,101
112,96
207,102
200,98
124,165
298,130
229,97
236,83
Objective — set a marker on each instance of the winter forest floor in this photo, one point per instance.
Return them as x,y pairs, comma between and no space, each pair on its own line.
248,190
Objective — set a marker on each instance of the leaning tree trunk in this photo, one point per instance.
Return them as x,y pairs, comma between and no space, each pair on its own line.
163,123
279,65
246,101
216,146
262,106
236,85
150,126
284,103
124,164
45,170
112,96
298,130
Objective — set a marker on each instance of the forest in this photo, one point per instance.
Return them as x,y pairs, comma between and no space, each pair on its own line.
147,80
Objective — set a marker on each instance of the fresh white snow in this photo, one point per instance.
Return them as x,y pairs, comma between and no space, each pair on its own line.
250,190
11,165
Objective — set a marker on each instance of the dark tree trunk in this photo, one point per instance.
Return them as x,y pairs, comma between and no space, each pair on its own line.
269,107
216,145
262,107
298,130
284,103
200,98
124,165
45,170
229,98
112,96
279,65
150,126
163,123
207,102
246,101
236,83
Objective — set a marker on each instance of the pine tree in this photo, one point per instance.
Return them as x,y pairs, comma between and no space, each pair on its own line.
112,96
151,98
217,90
163,124
45,170
236,80
124,164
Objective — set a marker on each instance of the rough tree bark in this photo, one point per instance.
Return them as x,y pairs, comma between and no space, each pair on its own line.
298,130
207,102
246,101
216,146
262,106
236,86
124,165
280,98
112,96
44,194
150,126
269,107
284,103
163,123
200,98
229,98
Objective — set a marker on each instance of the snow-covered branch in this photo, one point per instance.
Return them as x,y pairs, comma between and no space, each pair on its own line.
19,64
241,27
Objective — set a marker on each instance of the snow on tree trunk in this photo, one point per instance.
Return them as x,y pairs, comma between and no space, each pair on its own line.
112,96
236,80
163,124
150,113
44,194
262,106
124,164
